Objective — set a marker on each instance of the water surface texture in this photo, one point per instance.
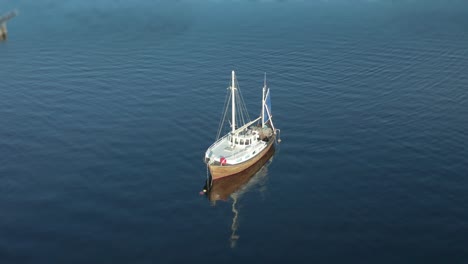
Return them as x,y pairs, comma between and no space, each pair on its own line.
107,108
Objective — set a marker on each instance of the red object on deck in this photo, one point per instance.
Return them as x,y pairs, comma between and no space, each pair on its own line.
222,160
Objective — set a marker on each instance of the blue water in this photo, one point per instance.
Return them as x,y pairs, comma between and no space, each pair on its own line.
107,108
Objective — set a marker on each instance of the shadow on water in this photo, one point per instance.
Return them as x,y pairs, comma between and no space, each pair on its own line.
235,186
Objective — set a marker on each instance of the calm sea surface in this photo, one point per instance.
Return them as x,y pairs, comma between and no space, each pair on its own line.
107,108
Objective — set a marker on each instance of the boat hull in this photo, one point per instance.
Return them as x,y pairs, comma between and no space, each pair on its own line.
222,188
218,171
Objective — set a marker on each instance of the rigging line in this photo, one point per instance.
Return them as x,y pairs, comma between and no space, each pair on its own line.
246,113
237,105
244,107
244,110
220,129
238,119
241,112
225,107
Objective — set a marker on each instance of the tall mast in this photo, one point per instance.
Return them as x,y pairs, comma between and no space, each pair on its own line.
263,100
233,95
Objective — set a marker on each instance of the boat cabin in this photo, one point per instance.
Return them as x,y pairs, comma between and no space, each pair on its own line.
245,139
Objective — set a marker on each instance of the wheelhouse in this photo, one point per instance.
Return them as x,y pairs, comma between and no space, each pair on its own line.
243,139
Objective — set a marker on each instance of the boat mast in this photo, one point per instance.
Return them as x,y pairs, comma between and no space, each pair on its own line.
233,87
263,100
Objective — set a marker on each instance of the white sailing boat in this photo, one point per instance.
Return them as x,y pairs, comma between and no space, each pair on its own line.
247,142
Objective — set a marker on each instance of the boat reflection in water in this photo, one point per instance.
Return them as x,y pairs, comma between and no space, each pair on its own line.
236,185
